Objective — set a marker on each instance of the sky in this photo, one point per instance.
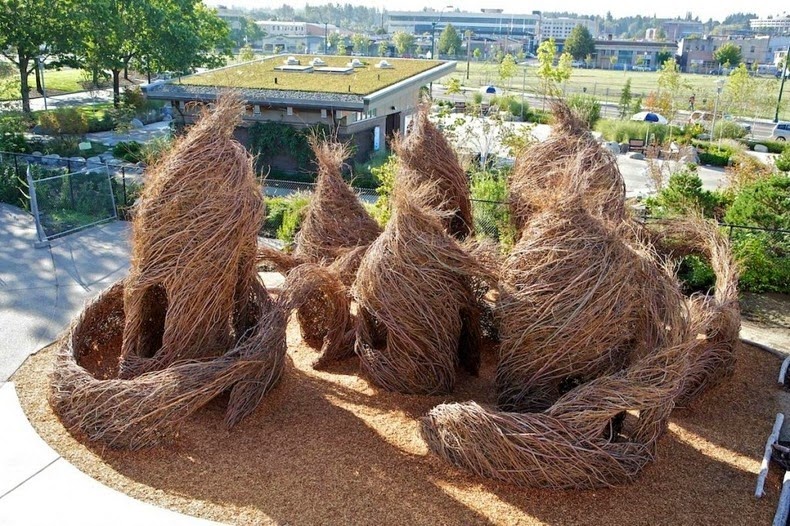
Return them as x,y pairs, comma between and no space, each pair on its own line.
717,10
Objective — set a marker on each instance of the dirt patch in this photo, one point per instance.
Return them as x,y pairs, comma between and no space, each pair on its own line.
325,447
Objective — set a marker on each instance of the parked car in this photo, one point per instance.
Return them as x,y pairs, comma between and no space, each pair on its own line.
641,68
781,131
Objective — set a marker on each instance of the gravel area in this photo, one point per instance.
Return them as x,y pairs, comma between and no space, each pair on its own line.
328,448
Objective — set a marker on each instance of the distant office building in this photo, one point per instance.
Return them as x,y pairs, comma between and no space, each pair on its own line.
489,23
561,27
677,29
697,54
776,24
630,54
293,37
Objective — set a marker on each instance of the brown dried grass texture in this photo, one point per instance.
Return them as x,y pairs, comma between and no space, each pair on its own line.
569,162
194,239
147,410
335,218
572,307
713,357
417,314
429,159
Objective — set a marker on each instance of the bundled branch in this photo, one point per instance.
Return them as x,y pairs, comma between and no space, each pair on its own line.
194,239
583,441
417,312
323,306
149,409
428,158
335,218
572,303
712,359
569,162
603,429
192,320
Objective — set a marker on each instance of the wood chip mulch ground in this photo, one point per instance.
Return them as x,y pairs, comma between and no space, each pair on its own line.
328,448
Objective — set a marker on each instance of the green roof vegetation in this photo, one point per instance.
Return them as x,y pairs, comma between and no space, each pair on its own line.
363,81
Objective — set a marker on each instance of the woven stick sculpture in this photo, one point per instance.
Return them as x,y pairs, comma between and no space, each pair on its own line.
192,320
569,162
585,439
147,410
194,239
417,314
712,359
428,158
335,218
571,301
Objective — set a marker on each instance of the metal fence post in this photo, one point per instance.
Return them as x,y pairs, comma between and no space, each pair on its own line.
71,188
42,236
123,184
16,166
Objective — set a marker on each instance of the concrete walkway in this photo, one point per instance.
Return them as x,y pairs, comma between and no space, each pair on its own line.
39,487
42,289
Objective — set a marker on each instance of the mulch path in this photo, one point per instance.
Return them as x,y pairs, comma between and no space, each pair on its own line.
329,448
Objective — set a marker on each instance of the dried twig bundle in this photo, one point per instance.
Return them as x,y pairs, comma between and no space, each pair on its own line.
572,303
417,312
146,410
569,162
581,442
323,308
335,218
429,159
194,238
712,359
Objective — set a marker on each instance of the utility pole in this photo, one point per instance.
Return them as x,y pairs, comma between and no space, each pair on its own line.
326,38
785,71
468,50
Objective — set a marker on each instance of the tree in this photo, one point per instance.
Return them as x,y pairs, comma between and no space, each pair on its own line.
580,43
334,40
449,40
739,91
507,69
164,35
403,42
671,87
564,67
728,55
588,61
27,26
625,99
662,56
246,53
453,86
383,48
360,43
477,53
612,62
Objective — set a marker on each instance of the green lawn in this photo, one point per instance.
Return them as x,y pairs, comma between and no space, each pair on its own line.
262,75
606,85
55,82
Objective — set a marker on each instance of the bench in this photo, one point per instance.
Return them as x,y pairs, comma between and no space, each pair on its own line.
636,145
460,107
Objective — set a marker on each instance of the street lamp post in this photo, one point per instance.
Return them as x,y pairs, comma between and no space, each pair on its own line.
433,30
719,84
326,38
42,48
785,72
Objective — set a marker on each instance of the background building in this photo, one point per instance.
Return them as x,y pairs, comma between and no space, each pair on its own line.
776,25
675,30
293,37
490,24
561,27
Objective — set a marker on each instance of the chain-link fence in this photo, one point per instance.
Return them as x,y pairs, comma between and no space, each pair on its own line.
68,202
